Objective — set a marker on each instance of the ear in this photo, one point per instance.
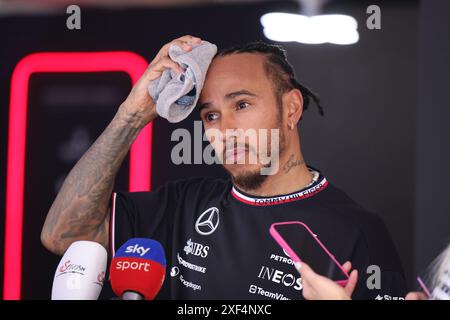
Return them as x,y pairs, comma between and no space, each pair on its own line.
293,107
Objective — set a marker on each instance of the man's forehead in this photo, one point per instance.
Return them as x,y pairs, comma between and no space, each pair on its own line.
233,72
237,63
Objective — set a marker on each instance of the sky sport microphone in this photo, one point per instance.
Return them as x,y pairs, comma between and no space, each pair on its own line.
138,269
81,272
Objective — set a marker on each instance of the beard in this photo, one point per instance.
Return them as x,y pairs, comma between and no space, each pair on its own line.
253,179
250,180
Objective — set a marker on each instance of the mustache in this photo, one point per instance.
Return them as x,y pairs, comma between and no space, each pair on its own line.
235,145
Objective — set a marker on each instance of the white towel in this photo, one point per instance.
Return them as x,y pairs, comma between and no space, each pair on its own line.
177,94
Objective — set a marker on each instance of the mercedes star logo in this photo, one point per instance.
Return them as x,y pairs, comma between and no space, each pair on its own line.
208,221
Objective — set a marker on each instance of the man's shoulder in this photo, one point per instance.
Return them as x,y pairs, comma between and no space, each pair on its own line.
372,232
344,208
194,184
371,227
183,187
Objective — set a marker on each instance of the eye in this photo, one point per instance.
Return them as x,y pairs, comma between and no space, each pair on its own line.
242,105
211,116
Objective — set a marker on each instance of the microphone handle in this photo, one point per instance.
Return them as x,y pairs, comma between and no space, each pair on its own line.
131,295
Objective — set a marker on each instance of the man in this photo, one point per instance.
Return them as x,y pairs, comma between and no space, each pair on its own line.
215,232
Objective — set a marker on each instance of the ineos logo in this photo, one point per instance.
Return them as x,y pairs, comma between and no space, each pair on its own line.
208,221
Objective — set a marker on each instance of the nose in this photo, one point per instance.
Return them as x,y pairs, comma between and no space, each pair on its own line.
229,129
227,123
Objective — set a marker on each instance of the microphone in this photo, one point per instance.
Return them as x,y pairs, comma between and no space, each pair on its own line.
138,269
81,272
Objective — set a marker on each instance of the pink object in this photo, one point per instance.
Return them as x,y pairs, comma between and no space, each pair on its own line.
424,287
280,240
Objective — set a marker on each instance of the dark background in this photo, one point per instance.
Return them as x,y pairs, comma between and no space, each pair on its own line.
383,138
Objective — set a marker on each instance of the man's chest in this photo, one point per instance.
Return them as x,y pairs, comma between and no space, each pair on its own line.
221,255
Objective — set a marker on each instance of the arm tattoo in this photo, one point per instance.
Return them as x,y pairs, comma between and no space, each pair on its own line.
80,210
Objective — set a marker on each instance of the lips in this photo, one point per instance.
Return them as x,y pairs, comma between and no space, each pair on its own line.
235,154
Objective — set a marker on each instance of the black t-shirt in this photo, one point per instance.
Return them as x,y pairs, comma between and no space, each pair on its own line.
218,245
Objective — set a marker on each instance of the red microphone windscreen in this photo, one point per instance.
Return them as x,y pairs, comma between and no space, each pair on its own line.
139,266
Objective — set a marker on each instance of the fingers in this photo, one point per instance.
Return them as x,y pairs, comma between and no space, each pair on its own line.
305,271
330,289
307,291
187,41
162,60
186,46
351,284
189,38
416,295
156,68
166,63
184,42
347,266
352,280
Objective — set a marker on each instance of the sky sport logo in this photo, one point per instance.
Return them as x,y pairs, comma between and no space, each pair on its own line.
137,249
136,266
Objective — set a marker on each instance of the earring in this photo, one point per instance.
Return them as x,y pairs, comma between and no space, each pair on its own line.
291,126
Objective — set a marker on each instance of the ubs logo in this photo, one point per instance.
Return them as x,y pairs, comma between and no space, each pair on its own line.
197,249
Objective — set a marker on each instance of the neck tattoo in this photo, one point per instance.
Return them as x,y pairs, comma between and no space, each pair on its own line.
291,163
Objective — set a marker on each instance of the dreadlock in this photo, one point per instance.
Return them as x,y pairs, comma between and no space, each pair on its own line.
278,68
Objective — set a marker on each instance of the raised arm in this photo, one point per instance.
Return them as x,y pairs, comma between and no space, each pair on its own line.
80,211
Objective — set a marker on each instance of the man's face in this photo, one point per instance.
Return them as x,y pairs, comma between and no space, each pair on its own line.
237,99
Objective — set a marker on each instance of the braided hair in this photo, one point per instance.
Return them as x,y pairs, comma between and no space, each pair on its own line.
278,68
